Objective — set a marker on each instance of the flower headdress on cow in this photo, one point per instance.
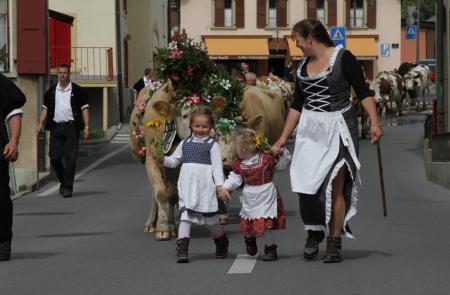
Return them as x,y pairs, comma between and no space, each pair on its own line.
197,80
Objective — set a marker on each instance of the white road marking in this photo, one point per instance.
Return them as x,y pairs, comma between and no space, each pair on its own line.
85,170
243,264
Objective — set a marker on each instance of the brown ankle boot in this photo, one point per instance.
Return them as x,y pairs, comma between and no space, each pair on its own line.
182,250
221,246
333,253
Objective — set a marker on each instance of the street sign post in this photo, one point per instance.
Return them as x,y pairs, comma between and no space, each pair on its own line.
338,35
411,32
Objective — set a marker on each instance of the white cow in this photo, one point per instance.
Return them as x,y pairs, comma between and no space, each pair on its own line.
388,87
417,82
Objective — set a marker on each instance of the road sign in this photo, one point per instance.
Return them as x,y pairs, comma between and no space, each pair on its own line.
338,35
385,49
411,32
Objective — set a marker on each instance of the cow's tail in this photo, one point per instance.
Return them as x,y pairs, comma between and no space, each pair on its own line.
155,176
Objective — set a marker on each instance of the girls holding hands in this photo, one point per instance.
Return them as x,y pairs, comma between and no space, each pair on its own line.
262,207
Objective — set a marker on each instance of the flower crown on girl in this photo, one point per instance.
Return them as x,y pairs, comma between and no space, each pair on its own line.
250,140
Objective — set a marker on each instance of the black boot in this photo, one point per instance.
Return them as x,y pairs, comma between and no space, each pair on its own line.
270,253
5,250
250,246
334,250
221,246
182,250
312,244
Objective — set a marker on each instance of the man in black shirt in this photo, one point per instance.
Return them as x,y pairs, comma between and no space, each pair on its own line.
143,82
11,101
65,113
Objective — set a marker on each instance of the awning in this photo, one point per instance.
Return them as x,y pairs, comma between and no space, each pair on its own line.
363,48
237,47
294,51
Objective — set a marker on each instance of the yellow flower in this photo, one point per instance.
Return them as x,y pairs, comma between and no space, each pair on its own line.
154,123
258,141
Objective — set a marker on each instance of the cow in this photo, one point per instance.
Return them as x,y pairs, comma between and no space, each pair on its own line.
260,109
417,82
281,87
388,88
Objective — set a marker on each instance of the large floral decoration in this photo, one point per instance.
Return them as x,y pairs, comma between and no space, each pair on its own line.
197,79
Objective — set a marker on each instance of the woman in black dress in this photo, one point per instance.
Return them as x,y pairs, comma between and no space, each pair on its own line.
325,165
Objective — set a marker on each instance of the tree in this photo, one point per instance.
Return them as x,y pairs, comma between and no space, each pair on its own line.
427,8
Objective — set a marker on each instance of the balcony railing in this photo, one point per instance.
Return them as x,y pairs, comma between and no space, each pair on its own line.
87,63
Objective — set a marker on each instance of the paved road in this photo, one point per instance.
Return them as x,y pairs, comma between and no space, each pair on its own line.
94,243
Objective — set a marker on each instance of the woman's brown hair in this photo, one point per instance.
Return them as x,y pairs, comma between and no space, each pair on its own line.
313,28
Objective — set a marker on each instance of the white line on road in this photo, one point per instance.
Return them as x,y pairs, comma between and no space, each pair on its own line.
243,264
85,170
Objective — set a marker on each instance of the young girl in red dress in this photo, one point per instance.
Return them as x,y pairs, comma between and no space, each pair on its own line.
262,207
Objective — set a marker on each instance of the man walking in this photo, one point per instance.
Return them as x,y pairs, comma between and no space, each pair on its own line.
143,82
11,101
65,113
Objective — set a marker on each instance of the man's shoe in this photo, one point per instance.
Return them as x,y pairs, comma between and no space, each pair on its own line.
250,246
334,250
5,251
67,193
61,189
313,240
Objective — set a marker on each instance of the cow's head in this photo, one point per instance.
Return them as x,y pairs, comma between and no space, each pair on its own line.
413,80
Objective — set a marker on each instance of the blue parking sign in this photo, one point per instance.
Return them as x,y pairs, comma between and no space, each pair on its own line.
338,35
411,32
385,49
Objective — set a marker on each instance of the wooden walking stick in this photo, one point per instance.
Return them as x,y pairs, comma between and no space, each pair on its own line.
380,168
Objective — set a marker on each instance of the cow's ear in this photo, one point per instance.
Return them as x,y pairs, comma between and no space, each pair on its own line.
170,90
254,122
218,104
420,74
164,109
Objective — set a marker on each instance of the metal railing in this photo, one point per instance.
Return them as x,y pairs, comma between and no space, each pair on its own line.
87,63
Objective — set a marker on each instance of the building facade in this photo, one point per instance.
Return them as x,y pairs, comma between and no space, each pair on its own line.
259,31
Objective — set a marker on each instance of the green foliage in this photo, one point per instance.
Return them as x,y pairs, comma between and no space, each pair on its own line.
427,8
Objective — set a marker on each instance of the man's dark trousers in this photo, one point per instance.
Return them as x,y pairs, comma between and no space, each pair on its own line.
6,206
64,148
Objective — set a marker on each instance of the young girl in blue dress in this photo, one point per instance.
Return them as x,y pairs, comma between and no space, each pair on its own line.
201,174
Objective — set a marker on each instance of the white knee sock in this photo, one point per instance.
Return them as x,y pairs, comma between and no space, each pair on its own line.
184,231
268,238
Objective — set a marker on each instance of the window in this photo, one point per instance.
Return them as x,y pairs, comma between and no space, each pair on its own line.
356,13
320,12
272,14
4,36
228,13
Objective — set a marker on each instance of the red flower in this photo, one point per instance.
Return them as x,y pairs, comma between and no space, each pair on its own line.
189,70
195,99
176,54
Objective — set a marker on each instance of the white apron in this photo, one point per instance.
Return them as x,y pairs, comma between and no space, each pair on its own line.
317,147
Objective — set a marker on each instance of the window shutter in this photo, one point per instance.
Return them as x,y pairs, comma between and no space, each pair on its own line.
347,13
311,9
261,14
332,13
240,13
219,13
31,42
371,14
281,13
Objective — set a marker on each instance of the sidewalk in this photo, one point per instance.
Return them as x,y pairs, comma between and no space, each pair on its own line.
87,153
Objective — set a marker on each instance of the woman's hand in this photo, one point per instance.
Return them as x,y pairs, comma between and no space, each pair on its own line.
376,132
278,147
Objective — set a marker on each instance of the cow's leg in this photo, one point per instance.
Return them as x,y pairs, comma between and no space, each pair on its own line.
162,232
150,225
